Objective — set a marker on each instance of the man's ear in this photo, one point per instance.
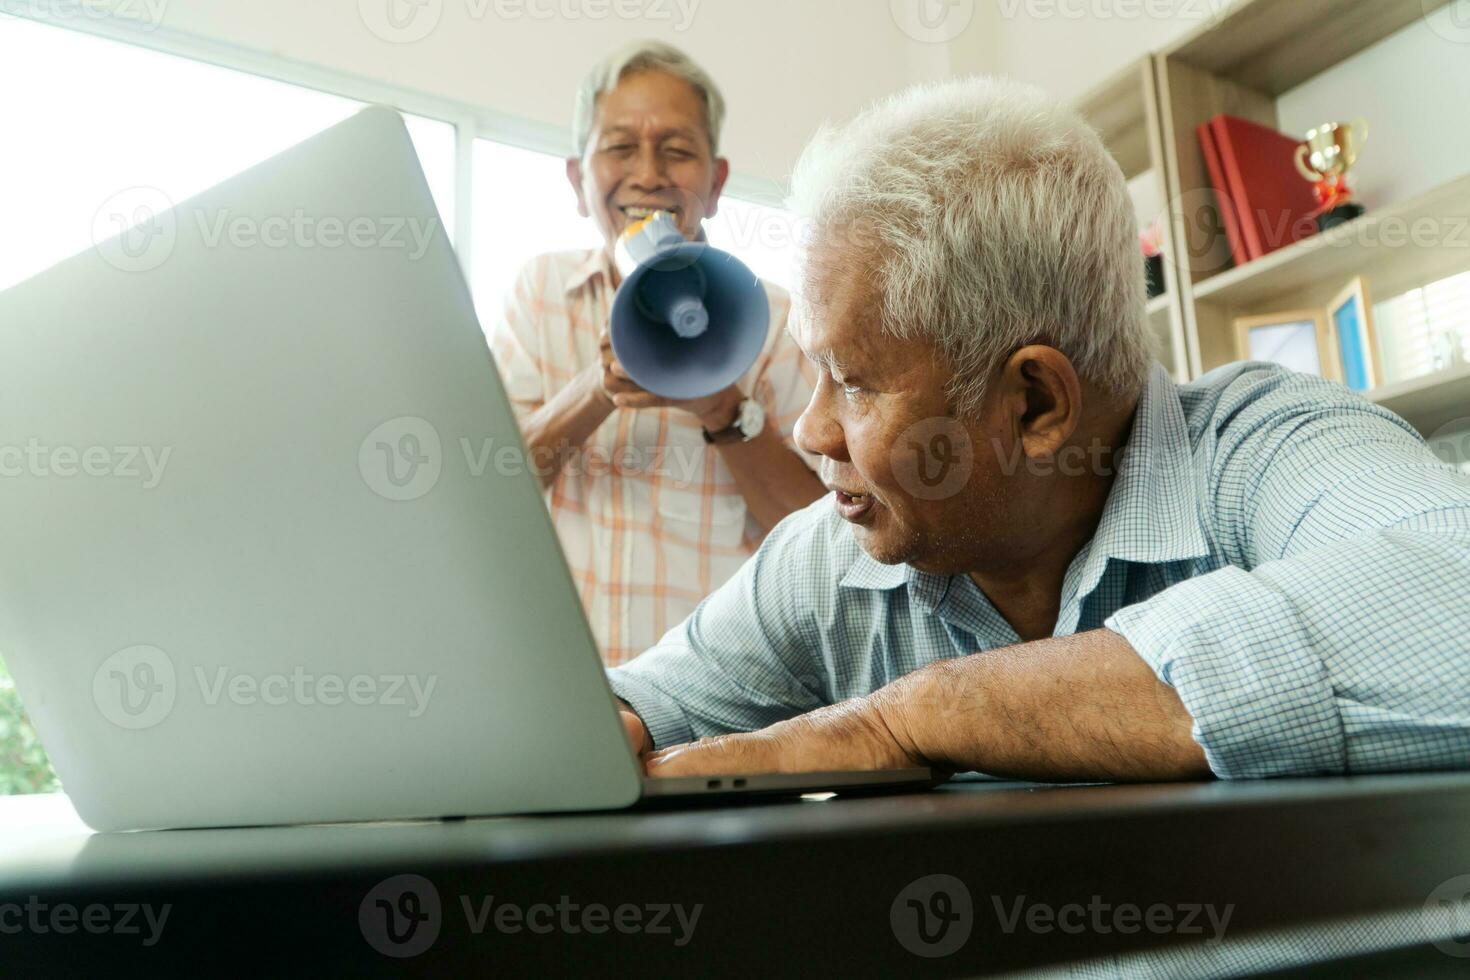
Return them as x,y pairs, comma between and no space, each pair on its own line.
722,174
574,176
1042,391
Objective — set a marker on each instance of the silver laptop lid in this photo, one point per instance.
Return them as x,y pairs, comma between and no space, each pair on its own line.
268,549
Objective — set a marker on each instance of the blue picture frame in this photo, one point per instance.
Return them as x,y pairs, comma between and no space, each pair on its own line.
1356,343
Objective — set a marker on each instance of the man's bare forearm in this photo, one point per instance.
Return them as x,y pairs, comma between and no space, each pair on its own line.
771,477
564,423
1077,707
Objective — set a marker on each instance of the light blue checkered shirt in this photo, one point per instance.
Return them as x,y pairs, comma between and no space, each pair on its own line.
1286,555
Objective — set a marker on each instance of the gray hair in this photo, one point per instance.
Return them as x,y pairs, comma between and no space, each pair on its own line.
645,56
995,218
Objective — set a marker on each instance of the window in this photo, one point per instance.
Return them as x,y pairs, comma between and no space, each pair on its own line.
170,123
1425,330
524,207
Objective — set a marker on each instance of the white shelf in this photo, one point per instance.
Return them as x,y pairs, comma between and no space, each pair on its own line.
1414,241
1429,402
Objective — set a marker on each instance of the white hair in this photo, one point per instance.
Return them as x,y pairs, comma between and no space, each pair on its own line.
995,218
645,56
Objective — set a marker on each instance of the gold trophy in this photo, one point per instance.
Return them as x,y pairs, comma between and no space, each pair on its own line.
1329,152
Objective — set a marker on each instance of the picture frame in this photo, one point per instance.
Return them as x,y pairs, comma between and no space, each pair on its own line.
1354,337
1300,340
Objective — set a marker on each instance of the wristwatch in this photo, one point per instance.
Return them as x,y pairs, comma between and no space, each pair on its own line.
749,422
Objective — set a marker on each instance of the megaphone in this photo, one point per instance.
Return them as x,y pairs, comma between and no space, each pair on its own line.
688,319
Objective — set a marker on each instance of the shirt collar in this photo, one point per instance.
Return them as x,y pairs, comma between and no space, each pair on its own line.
867,572
1151,514
597,263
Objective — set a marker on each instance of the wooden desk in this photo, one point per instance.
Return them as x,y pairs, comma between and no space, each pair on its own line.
798,886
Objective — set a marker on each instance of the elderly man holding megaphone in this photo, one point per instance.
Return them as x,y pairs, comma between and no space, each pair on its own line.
655,382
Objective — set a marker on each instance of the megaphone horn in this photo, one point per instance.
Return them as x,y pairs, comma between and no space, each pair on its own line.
688,320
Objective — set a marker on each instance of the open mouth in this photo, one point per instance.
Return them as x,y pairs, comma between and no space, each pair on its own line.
853,506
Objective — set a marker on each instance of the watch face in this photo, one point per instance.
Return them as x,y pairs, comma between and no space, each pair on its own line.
752,418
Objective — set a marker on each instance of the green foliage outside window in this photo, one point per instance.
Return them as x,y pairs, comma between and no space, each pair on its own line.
24,767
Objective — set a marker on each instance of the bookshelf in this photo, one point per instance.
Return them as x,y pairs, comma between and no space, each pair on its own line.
1124,111
1241,63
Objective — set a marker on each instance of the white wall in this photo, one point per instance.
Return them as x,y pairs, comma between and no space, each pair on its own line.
784,65
1413,89
1411,86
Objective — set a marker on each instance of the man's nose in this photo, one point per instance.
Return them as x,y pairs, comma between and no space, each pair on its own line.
817,432
648,171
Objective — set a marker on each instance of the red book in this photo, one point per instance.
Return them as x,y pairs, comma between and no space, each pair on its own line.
1276,206
1224,199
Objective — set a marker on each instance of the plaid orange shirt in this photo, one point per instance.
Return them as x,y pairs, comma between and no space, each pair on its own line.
649,517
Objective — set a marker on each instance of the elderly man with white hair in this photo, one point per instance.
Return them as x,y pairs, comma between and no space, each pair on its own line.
1040,556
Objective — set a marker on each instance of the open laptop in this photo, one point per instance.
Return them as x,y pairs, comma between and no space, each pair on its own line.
269,549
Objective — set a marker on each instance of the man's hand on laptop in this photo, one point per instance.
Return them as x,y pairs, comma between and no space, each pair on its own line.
849,736
638,735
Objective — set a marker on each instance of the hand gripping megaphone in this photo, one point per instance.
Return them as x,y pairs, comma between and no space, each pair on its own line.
688,319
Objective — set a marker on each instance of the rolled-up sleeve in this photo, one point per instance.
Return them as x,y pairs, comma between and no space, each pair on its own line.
748,656
1338,640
